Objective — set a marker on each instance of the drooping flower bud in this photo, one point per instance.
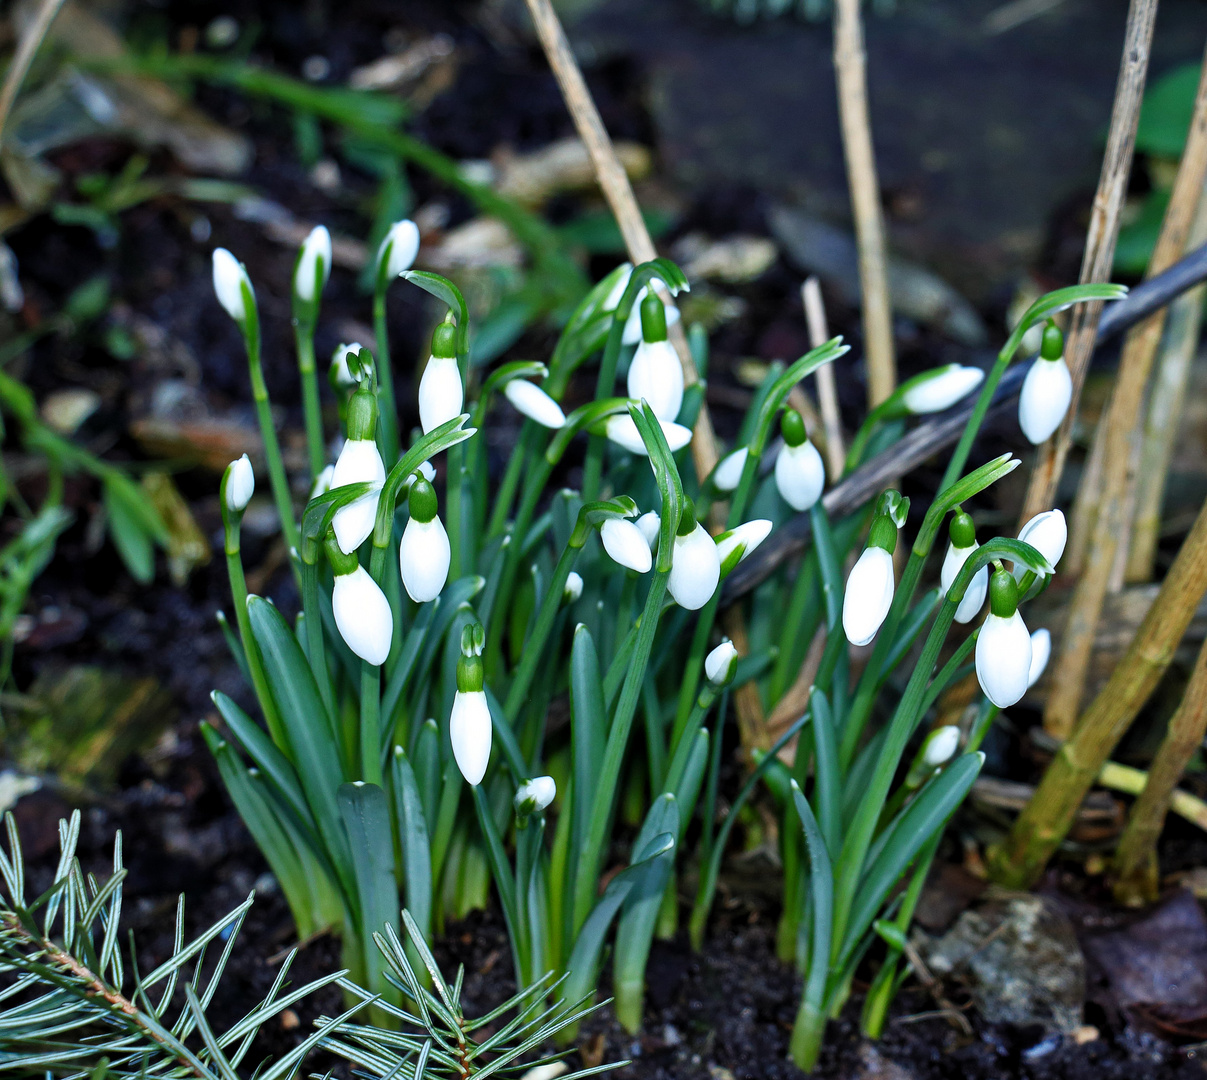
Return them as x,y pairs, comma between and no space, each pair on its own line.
469,724
626,544
535,795
230,276
574,587
359,462
398,249
655,373
632,327
963,545
340,376
695,563
721,663
534,403
424,554
728,473
441,393
735,545
623,431
800,474
1047,389
1003,649
939,389
870,585
314,264
1048,534
362,612
239,484
940,746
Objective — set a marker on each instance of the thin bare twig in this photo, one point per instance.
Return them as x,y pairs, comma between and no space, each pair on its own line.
1100,243
26,50
850,66
827,390
1120,423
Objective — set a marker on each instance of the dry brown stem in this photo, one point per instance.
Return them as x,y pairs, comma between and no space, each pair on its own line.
827,389
26,49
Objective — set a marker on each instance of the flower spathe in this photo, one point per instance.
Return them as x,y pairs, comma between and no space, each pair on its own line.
940,389
974,595
359,462
656,375
800,475
1047,533
623,431
695,569
1003,658
470,733
229,279
626,544
362,615
868,595
441,394
534,403
719,664
1044,399
728,473
316,247
240,484
398,248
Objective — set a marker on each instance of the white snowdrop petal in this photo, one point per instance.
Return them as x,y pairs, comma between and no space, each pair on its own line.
974,596
695,569
1041,650
800,475
650,523
353,523
540,790
229,277
632,326
316,246
424,556
943,389
941,745
534,403
728,474
612,300
403,243
868,595
623,431
322,482
747,536
626,544
1047,533
470,733
362,615
656,375
359,462
1003,659
1044,399
717,662
574,587
240,484
441,394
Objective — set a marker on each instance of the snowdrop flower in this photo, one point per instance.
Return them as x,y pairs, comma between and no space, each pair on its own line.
695,563
424,553
735,545
626,544
441,394
398,249
359,462
1048,534
534,403
362,612
632,326
230,276
800,474
721,663
940,746
535,795
1003,649
340,375
1047,389
963,544
469,725
1041,649
870,585
612,300
623,431
313,265
939,389
728,473
655,373
574,587
240,484
650,525
322,482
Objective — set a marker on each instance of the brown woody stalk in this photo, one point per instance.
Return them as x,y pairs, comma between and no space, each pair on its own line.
1100,244
1120,423
1037,833
850,66
1136,870
827,390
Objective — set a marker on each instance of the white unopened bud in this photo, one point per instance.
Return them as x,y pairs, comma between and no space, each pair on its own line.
800,475
362,615
441,394
1044,400
470,733
941,745
868,595
535,795
240,484
1003,658
1041,650
720,664
229,279
626,544
359,462
1048,534
342,374
534,403
316,248
695,569
742,540
623,431
977,589
424,556
934,391
574,587
656,375
728,473
398,248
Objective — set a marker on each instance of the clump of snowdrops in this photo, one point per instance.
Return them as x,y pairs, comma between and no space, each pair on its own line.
414,747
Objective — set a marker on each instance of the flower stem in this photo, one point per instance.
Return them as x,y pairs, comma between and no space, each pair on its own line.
304,337
272,448
385,381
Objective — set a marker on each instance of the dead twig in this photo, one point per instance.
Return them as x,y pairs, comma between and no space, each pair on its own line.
26,50
827,390
1100,243
850,66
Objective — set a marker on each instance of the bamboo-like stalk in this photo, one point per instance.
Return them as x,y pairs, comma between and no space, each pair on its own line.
1100,243
827,389
1166,404
850,67
1037,833
1136,870
1119,423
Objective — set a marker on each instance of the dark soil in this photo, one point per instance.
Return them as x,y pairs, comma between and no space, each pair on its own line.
725,1012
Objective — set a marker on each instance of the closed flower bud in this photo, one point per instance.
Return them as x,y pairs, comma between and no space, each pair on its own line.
695,564
934,391
240,484
626,544
229,279
1003,649
623,431
1041,649
720,664
800,475
398,249
341,375
657,376
470,733
359,462
632,327
735,545
535,795
1048,534
362,615
650,524
728,473
940,746
1047,389
868,595
534,403
424,553
441,394
963,544
574,587
313,265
